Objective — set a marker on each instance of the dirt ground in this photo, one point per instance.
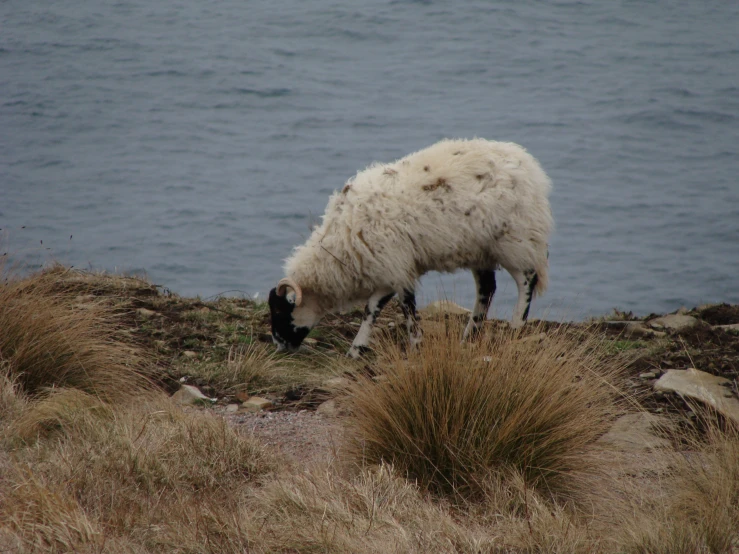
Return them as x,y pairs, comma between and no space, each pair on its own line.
186,336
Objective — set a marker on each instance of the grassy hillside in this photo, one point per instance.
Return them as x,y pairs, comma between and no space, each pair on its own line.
549,439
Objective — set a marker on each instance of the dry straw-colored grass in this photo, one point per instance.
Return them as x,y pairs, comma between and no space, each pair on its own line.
460,448
51,339
699,512
450,413
145,474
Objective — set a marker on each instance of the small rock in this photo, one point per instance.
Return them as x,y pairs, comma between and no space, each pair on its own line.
532,339
336,383
699,385
190,354
733,327
673,322
441,307
143,312
682,311
328,408
310,341
391,325
636,329
232,408
256,404
189,395
648,375
634,432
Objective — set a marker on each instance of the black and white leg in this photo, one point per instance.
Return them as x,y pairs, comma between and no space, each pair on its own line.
485,283
526,283
408,304
374,306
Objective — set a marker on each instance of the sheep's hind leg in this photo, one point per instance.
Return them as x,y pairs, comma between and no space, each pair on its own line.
373,308
526,282
485,283
408,304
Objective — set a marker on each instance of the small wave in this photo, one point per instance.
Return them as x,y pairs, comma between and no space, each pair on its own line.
705,115
163,73
661,119
264,93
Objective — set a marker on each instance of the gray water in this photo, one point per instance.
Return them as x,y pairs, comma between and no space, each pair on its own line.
196,142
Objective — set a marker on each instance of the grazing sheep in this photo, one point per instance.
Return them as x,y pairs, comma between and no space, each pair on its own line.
472,204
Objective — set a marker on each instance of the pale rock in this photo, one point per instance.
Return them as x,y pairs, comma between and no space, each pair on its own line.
532,339
189,354
682,311
673,322
189,395
232,408
636,432
336,383
702,386
648,375
636,329
310,341
143,312
328,408
256,404
442,307
733,327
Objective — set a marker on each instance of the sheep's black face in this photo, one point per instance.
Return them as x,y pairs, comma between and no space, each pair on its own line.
285,334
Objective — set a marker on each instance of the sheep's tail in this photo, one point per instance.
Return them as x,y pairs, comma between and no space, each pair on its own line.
542,274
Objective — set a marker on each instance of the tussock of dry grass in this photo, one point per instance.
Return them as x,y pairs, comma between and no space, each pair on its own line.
49,339
135,472
374,511
450,414
700,512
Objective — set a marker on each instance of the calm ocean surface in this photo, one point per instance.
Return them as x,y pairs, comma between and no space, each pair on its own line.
198,141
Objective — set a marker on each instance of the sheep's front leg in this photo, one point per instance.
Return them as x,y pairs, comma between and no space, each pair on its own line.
526,282
485,284
374,306
415,333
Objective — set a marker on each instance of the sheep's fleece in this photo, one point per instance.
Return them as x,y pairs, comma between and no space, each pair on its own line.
457,204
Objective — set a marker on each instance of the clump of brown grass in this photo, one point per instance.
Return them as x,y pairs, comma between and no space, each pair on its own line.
699,511
373,511
142,472
50,339
450,414
40,518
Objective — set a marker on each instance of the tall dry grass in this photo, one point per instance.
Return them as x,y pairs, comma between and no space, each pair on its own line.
699,511
140,474
51,339
450,414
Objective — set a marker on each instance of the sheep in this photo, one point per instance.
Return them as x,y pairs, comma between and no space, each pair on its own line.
472,204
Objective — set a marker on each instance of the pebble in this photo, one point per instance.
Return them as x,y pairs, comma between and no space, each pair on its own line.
189,395
256,404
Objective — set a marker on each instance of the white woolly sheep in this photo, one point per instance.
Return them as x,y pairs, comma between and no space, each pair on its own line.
473,204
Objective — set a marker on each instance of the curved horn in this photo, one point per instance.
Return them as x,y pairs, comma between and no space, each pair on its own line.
286,283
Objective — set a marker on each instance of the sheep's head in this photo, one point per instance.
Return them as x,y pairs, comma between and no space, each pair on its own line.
292,316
